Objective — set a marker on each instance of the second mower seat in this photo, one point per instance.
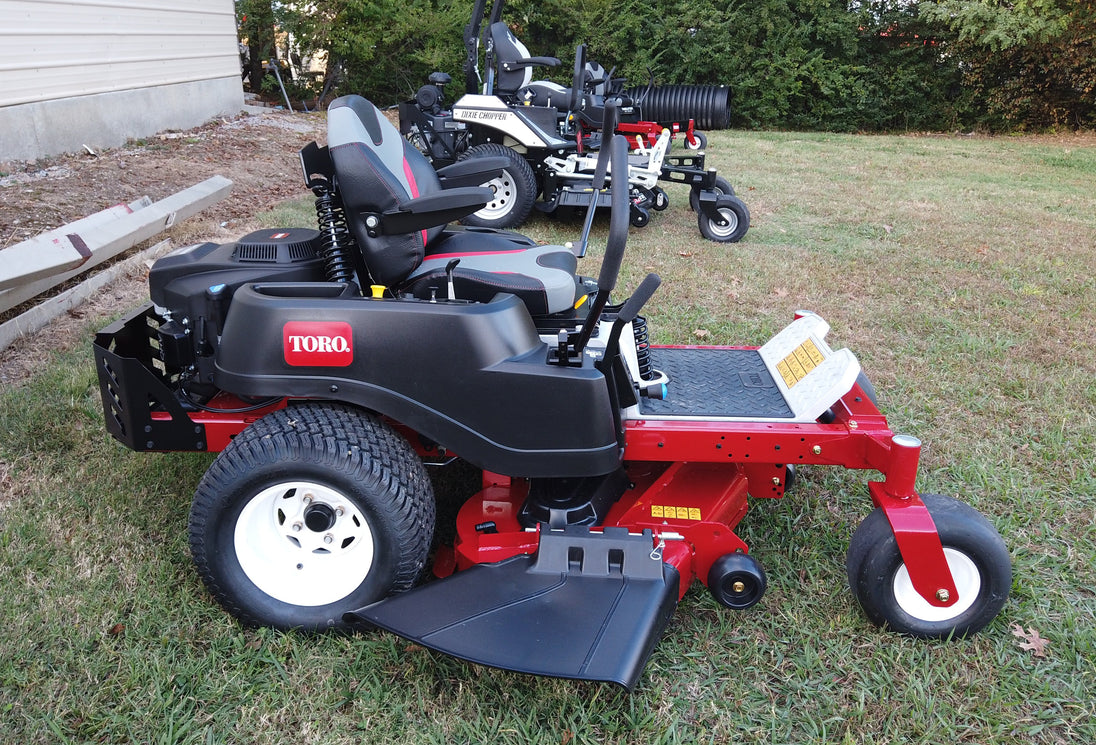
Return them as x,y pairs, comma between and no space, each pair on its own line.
397,211
515,66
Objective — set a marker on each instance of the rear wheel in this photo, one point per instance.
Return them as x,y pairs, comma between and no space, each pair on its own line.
730,226
515,189
312,511
976,555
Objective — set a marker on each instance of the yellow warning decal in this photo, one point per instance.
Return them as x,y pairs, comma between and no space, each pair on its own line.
799,363
675,513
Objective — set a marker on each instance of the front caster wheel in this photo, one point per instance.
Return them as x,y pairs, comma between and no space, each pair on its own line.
976,555
721,187
737,581
661,200
698,142
731,224
310,512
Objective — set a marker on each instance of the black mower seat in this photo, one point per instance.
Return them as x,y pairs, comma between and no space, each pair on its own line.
397,211
515,66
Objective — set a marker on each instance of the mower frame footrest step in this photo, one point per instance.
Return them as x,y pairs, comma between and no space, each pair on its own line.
810,374
588,606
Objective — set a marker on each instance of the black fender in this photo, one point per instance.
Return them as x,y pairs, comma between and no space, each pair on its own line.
473,377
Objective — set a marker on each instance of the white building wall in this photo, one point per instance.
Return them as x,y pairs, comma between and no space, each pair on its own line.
98,72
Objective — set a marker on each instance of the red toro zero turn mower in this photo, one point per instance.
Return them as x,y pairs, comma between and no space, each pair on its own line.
614,472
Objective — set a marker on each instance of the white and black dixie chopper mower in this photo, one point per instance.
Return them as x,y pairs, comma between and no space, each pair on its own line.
614,472
547,134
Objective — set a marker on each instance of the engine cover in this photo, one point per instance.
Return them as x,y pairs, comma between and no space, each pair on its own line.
179,281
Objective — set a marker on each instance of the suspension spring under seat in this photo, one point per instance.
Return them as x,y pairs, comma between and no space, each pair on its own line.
337,245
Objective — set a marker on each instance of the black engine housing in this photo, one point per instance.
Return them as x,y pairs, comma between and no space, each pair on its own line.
192,288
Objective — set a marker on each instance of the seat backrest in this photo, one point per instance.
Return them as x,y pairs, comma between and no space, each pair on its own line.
377,170
509,49
595,71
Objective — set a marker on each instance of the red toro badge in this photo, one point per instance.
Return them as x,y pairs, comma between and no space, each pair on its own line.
318,343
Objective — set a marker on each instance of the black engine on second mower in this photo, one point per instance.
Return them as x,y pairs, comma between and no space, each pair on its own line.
192,288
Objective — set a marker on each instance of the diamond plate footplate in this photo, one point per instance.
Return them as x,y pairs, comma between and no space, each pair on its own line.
717,383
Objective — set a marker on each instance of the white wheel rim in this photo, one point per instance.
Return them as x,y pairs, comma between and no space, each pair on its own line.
968,583
506,193
731,223
293,562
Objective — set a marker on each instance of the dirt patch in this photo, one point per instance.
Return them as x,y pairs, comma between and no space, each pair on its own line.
257,152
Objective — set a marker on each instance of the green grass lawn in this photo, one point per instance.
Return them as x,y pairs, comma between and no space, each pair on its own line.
960,270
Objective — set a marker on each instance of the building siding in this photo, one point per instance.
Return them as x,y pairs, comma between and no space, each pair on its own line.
108,53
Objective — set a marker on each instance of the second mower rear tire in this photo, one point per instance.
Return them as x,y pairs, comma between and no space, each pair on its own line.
515,189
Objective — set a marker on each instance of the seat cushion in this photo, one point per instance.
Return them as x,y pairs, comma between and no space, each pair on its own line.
543,277
546,93
474,239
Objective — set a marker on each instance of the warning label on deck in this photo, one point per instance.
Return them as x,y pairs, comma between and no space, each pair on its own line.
675,513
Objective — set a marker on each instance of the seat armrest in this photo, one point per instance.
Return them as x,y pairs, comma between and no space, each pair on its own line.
472,172
531,62
431,210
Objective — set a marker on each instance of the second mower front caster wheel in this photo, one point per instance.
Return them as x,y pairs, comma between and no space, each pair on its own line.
721,187
661,199
728,222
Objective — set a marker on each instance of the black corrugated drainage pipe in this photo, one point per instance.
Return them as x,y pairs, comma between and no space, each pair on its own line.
708,105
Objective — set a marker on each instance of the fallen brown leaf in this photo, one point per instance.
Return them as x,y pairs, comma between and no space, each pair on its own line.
1032,642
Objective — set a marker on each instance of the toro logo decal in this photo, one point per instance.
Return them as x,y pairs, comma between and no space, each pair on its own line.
318,343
